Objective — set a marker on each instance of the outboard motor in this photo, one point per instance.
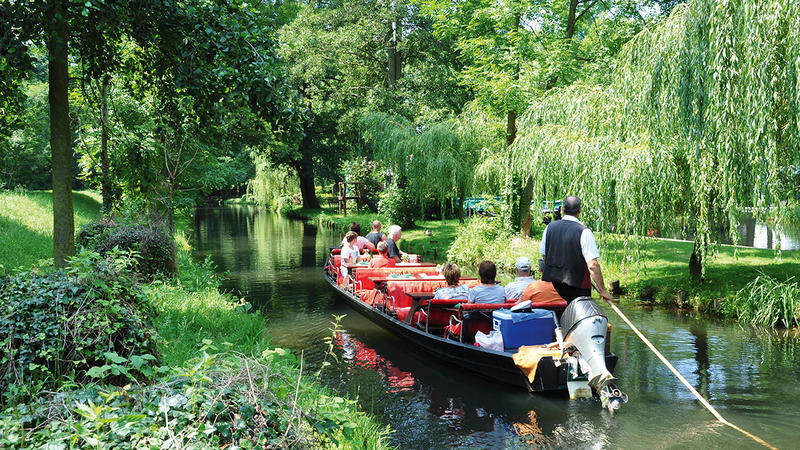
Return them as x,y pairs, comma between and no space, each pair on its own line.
584,325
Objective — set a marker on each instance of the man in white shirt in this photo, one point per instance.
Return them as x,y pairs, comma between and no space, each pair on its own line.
570,255
524,278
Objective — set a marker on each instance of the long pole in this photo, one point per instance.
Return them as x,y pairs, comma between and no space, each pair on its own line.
675,372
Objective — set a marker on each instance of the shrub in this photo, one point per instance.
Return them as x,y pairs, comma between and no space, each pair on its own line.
77,324
485,238
220,401
92,231
399,206
156,249
766,302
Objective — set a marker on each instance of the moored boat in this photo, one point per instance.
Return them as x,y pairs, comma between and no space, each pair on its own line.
400,299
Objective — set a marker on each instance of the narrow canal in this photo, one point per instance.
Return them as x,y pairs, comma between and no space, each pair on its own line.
752,377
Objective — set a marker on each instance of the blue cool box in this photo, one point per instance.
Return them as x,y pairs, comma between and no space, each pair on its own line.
518,329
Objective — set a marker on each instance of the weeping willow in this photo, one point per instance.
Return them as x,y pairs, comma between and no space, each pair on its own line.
436,161
699,118
269,188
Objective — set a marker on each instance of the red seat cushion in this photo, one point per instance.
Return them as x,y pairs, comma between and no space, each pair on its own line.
364,273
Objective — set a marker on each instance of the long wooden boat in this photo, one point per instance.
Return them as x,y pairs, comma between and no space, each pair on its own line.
495,365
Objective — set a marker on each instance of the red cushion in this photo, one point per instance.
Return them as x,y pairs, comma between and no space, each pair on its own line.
364,273
439,317
486,306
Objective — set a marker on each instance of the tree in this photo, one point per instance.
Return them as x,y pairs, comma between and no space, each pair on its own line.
694,126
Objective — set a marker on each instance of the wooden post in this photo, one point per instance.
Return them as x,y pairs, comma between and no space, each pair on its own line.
360,194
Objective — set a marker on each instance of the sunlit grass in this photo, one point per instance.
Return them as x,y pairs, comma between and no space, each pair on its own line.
26,224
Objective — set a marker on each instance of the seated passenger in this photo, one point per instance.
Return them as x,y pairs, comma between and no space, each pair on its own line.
349,251
395,233
452,274
524,278
489,291
382,260
361,241
541,292
375,235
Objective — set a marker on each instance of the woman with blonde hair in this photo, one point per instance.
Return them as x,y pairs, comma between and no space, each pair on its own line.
452,274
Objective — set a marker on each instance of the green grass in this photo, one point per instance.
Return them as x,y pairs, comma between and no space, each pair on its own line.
26,224
663,266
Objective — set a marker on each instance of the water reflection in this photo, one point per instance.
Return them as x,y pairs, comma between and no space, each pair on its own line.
752,378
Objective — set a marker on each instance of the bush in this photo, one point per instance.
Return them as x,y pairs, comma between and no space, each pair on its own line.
156,248
224,400
399,206
485,238
80,324
766,302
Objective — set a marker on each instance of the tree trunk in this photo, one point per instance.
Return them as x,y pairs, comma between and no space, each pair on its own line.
511,128
171,207
305,172
571,19
105,184
525,207
60,135
696,265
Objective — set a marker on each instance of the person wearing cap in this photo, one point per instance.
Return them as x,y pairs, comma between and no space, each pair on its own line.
524,278
570,255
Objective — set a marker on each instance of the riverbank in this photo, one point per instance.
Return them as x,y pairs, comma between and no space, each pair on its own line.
651,271
215,379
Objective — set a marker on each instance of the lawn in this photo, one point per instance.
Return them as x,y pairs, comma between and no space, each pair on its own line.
26,224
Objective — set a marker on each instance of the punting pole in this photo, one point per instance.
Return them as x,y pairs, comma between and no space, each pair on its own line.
686,383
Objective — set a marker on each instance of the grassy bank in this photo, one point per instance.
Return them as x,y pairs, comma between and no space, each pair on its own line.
652,271
26,224
216,380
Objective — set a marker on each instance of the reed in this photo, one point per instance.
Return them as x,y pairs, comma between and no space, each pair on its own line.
768,302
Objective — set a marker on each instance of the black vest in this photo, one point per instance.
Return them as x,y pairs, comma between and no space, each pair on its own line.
563,259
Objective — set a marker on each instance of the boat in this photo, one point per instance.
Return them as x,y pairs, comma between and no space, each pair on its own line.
580,370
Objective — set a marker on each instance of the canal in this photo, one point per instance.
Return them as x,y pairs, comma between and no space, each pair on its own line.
751,376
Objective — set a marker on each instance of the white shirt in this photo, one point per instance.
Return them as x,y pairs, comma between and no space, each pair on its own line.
588,242
361,242
347,253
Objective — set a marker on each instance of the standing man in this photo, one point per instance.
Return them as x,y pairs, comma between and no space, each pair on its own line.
375,235
570,254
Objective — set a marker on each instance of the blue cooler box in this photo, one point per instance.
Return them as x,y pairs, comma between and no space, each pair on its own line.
519,328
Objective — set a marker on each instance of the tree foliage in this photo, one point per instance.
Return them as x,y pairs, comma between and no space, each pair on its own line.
698,120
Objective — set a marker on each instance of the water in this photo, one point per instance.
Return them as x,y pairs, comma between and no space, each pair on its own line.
751,377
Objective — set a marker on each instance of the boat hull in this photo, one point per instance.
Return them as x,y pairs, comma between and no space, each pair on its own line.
495,365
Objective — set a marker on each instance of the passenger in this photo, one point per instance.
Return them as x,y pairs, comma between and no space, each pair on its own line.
570,255
524,278
375,235
394,235
382,260
489,291
452,274
541,292
361,241
349,253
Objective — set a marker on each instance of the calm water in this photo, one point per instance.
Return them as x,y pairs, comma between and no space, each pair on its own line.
752,378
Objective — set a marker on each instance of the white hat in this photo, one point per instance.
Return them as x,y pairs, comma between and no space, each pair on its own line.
523,264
